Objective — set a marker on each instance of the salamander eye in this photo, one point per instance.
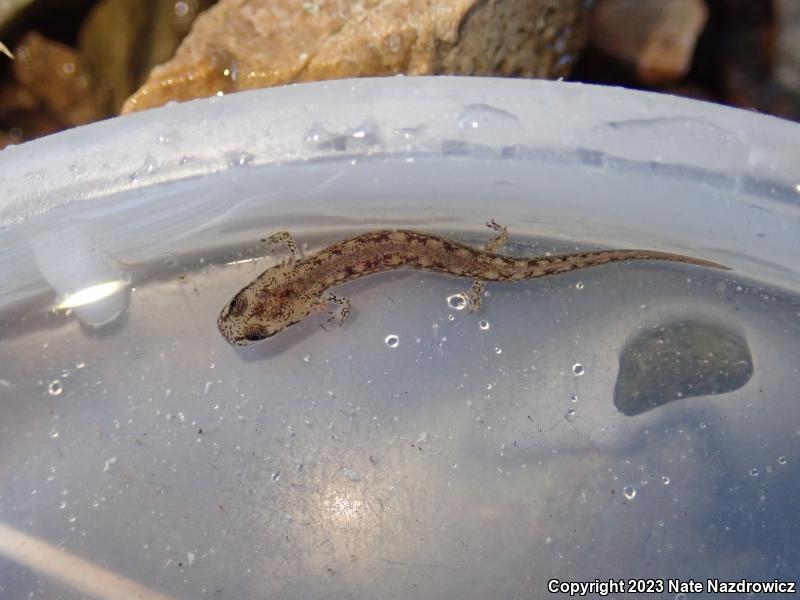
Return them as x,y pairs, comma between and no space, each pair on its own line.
256,334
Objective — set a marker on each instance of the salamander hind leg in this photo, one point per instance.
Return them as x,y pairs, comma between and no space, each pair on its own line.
474,295
285,237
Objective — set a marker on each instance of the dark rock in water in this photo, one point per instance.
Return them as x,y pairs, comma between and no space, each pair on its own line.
677,361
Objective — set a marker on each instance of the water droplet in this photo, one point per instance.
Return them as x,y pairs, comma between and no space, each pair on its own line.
239,159
629,491
149,167
577,368
276,476
498,350
485,116
316,133
665,480
457,301
781,460
484,325
55,388
181,9
753,472
392,341
579,285
351,474
571,415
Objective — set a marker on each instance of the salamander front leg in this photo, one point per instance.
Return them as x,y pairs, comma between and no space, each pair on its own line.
285,237
342,310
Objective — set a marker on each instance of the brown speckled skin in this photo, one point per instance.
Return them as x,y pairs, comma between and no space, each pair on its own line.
286,293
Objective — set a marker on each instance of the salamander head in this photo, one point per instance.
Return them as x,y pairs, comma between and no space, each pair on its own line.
262,309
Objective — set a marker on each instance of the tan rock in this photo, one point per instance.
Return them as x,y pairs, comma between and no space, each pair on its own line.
245,44
656,37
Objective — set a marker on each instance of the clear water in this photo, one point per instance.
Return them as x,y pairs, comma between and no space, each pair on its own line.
418,451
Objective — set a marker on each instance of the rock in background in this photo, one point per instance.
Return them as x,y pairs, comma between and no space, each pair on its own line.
245,44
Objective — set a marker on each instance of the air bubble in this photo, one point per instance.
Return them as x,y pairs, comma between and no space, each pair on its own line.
578,369
457,301
781,460
484,325
392,341
753,472
498,350
55,388
276,476
573,398
579,285
665,480
629,491
571,415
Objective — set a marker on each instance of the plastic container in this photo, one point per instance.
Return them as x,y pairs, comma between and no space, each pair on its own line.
635,420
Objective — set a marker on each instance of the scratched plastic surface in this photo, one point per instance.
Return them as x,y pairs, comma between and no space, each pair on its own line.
419,451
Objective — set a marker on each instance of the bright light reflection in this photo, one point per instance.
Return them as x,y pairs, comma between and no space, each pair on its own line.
91,294
239,262
343,507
